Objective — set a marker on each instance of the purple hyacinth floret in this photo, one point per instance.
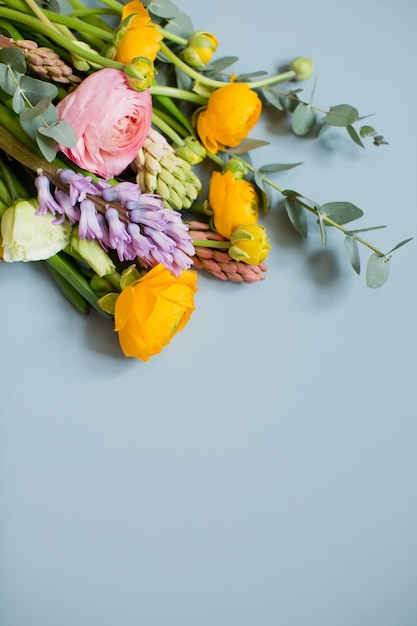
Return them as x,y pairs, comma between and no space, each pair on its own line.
89,227
118,235
122,192
79,185
47,202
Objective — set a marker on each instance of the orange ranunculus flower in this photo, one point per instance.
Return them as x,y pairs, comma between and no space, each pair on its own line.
140,38
231,113
234,202
151,310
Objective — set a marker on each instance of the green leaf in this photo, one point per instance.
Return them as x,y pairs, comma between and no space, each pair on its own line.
36,90
47,146
220,64
181,26
399,245
365,131
246,145
354,136
352,253
61,132
9,79
272,98
323,232
18,102
163,8
271,168
15,58
377,270
303,119
39,108
297,216
341,115
340,212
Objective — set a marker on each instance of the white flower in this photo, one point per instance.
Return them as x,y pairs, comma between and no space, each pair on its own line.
30,237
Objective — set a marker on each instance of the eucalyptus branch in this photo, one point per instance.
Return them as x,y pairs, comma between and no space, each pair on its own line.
211,82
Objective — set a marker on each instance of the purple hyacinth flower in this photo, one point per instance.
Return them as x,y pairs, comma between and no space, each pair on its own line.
79,185
118,234
72,212
89,226
122,192
47,202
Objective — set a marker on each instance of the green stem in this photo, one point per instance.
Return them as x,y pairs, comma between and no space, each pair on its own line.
166,129
174,125
172,37
175,112
64,42
211,243
74,278
113,4
182,94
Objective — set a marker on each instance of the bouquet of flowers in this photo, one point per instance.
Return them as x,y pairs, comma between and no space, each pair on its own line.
111,118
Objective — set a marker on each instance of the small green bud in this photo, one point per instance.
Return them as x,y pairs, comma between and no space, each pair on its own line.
237,167
140,73
303,67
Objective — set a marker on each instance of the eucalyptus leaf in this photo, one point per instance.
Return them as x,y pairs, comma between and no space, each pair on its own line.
341,115
36,90
352,253
323,232
220,64
47,146
30,126
163,8
180,25
61,132
18,102
246,145
340,212
14,58
272,98
39,108
297,216
377,270
9,79
399,245
291,193
265,194
354,136
277,167
303,119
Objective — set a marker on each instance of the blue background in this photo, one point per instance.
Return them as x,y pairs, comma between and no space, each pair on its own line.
262,469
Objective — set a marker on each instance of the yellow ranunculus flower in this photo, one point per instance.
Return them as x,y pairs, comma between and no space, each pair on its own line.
232,111
234,202
140,38
249,244
151,310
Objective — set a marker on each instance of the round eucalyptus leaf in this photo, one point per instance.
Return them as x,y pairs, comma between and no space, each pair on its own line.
377,270
303,119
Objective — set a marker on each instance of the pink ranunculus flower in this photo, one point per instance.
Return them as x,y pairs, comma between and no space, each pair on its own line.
110,120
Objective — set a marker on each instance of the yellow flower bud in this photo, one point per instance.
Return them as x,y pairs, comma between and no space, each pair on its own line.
201,47
249,244
140,73
303,67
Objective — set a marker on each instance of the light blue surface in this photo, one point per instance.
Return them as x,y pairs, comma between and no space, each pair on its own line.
262,470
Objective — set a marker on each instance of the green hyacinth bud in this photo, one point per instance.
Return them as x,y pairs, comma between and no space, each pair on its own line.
192,151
